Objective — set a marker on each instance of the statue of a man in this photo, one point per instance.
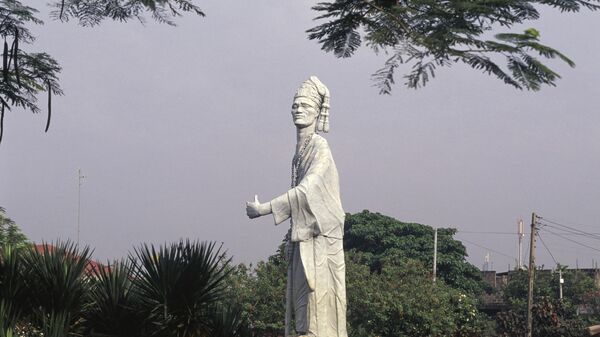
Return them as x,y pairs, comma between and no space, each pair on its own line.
316,289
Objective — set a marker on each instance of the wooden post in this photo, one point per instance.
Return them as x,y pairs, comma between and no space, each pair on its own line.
531,276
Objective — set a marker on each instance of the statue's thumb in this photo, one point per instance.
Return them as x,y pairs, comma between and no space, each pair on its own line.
256,198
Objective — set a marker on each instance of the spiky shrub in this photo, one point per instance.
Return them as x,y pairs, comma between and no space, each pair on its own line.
228,321
56,287
177,285
113,303
12,288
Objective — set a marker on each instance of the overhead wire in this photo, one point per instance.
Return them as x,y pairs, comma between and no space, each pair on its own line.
481,232
567,232
571,232
491,250
570,229
547,249
566,238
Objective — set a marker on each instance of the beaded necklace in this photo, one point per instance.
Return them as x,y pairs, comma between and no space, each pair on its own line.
296,161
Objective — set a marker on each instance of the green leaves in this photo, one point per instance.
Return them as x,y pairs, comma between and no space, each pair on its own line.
56,284
431,34
10,233
382,240
401,300
92,13
177,283
115,304
175,290
25,75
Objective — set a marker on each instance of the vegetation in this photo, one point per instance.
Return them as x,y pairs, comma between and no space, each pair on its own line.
10,233
382,240
188,288
389,286
427,34
401,300
25,74
431,34
551,316
175,290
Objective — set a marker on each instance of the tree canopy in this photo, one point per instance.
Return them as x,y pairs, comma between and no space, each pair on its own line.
389,285
25,75
10,233
384,240
429,34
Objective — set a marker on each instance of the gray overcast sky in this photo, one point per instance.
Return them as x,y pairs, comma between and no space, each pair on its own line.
176,127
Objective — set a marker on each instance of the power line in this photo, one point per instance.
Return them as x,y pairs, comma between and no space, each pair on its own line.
491,250
477,232
571,232
567,232
547,249
576,242
571,228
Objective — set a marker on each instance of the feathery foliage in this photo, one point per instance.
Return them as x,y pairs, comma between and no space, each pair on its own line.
428,34
26,75
93,12
10,233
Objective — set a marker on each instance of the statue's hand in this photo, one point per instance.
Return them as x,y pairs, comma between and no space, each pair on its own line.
253,208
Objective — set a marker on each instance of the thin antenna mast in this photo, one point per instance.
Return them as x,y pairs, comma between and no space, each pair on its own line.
80,178
521,234
434,254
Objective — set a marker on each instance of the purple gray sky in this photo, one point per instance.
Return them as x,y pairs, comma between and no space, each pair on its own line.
176,127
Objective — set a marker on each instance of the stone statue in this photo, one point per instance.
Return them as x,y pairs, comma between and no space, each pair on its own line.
316,289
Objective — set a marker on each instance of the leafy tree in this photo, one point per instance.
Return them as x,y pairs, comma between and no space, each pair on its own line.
384,240
25,75
10,234
576,287
401,300
429,34
261,292
551,318
389,287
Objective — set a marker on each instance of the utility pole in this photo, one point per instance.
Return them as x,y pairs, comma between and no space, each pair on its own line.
521,234
80,178
531,275
560,283
434,253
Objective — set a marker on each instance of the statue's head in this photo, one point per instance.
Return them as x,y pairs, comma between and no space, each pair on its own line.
311,105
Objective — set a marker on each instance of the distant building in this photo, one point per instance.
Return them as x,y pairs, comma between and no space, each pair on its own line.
494,302
90,267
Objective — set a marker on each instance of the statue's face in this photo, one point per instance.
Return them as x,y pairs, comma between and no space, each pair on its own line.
304,113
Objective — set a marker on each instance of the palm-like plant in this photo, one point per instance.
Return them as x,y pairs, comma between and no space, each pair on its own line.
114,304
177,285
228,321
56,282
12,290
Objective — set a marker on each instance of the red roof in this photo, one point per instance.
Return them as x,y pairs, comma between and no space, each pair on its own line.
90,267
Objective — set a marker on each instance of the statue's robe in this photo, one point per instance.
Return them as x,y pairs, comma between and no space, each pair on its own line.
316,290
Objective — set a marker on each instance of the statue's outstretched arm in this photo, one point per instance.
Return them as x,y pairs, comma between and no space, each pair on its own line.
254,209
